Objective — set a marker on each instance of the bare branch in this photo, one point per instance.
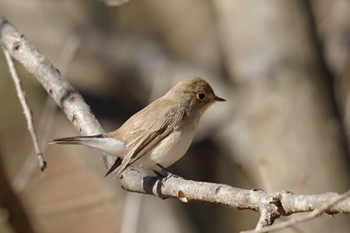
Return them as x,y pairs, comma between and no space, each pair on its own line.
28,167
275,203
266,219
26,110
315,213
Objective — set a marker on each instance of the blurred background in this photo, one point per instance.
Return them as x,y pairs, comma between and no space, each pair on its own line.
282,66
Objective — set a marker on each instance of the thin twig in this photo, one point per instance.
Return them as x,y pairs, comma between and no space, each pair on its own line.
315,213
26,110
27,169
68,52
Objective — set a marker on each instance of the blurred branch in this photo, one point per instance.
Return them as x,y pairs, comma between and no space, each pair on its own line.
131,213
114,2
270,205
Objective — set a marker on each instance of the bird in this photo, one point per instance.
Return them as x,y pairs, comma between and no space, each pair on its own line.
158,135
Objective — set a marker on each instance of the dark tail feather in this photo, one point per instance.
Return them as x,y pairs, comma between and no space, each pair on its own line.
73,140
114,166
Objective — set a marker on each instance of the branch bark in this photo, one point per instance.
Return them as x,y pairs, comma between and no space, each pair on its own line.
270,204
276,203
315,213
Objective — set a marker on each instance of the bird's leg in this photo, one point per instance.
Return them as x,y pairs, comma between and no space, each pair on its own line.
163,172
160,174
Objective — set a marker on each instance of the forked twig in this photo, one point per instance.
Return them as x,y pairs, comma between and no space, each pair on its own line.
315,213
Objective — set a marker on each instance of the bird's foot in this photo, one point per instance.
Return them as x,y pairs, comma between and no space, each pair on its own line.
163,173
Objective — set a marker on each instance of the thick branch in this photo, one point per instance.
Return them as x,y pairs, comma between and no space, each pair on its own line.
275,203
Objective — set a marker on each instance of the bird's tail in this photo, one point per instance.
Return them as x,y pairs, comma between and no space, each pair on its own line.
80,140
100,142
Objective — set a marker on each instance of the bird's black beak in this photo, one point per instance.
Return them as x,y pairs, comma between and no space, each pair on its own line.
218,99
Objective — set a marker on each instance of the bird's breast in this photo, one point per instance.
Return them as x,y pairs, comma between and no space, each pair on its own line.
170,149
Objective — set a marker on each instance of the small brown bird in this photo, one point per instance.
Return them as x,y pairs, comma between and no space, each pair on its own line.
158,135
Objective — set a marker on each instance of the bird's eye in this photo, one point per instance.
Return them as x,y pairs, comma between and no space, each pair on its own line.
201,96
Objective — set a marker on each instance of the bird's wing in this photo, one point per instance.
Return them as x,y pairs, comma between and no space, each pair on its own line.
158,120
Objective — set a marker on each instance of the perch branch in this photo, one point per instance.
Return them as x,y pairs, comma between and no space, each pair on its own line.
275,203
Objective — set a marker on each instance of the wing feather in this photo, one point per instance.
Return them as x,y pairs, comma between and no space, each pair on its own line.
148,127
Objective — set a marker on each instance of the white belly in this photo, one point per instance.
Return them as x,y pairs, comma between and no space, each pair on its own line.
170,149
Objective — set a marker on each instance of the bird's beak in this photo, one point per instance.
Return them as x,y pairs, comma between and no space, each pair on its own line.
218,99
